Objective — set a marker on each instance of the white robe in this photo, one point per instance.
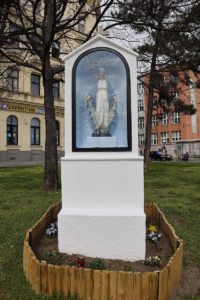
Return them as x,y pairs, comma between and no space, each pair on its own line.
102,105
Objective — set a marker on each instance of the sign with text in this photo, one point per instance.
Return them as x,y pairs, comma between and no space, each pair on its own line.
28,109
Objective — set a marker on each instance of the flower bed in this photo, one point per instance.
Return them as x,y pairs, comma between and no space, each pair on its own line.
153,248
89,284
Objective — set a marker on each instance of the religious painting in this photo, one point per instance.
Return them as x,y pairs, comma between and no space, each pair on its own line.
101,102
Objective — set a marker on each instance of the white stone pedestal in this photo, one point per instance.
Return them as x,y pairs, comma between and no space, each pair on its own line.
102,214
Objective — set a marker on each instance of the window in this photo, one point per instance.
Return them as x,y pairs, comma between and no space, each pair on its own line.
164,119
140,105
35,84
154,121
140,89
38,8
55,50
164,137
176,97
154,139
163,102
81,26
14,39
56,89
13,79
141,139
173,79
176,135
179,149
175,117
141,122
12,131
155,102
35,41
165,79
57,134
35,132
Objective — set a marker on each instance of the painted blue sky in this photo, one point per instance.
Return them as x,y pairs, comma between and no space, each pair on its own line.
84,75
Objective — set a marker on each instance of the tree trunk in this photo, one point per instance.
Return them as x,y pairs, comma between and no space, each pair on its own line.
149,114
148,131
51,161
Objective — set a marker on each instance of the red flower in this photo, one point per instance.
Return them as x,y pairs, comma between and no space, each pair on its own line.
152,263
160,249
125,266
130,266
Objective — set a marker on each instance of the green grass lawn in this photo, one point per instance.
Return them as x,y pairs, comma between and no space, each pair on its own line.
173,187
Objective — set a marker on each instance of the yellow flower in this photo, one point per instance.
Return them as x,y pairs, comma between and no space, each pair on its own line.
152,228
161,262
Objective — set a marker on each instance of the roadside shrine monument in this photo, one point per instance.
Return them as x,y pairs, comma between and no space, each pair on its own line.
102,174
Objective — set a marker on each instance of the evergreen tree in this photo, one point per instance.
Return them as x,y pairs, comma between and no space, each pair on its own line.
154,24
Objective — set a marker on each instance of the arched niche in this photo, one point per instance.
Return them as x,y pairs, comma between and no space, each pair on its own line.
101,106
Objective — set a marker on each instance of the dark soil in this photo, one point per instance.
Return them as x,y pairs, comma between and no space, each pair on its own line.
189,284
47,244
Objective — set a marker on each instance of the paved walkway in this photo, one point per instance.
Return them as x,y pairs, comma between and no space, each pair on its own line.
20,164
192,160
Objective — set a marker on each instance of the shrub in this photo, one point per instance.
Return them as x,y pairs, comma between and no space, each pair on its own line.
154,261
52,257
128,268
97,264
73,263
52,231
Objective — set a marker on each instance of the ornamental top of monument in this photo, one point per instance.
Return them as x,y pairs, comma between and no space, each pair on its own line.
102,32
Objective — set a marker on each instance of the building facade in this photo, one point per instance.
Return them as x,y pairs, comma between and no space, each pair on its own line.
22,118
22,113
167,129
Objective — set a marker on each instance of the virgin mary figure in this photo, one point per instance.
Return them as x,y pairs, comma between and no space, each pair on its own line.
102,103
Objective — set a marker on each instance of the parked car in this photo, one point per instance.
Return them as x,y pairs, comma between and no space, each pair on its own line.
156,155
169,157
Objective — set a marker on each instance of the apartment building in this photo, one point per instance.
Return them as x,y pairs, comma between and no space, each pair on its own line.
169,128
22,113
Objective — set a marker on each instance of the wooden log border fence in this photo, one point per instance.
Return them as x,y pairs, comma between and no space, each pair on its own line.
102,285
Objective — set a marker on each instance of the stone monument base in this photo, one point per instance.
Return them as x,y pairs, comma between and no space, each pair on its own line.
102,206
104,234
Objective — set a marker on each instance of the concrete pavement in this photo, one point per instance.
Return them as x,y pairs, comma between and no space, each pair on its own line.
22,164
